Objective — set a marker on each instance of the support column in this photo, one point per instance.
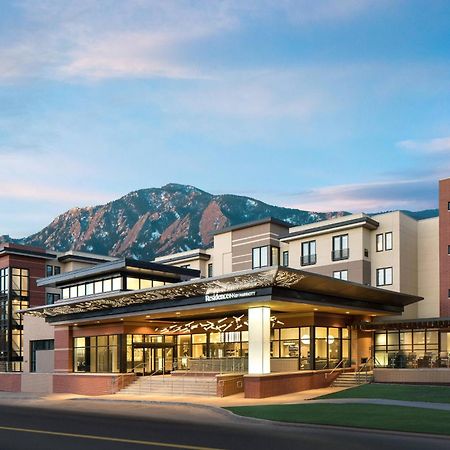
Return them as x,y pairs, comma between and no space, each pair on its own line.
259,340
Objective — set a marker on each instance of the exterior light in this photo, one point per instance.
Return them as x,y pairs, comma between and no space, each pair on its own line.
178,313
306,339
147,316
347,312
212,309
316,309
121,319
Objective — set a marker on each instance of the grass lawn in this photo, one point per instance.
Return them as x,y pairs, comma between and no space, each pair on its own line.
383,417
412,393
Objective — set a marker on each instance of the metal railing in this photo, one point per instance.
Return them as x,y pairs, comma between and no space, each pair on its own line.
363,373
308,260
340,363
118,383
337,255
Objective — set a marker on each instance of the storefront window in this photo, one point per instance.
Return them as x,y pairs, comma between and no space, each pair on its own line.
305,348
289,343
96,354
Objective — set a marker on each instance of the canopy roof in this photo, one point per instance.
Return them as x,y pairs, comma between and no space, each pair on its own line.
239,285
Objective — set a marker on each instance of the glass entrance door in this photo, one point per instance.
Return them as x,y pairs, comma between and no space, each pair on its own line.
153,359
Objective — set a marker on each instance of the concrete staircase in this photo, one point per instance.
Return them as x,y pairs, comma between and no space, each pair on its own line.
172,385
351,379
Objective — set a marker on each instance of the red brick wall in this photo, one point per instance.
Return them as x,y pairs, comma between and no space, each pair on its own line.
90,384
262,386
444,241
36,266
63,349
10,382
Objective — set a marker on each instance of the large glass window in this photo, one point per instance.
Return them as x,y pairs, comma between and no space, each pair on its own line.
309,256
96,354
95,287
20,282
340,247
410,348
265,256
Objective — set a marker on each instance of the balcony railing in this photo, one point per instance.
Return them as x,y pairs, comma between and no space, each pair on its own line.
308,260
338,255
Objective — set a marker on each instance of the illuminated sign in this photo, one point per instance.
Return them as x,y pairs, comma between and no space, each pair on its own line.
229,296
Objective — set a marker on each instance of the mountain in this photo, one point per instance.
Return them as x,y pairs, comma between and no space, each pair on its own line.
158,221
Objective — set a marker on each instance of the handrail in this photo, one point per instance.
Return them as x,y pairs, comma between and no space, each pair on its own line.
336,367
121,376
363,368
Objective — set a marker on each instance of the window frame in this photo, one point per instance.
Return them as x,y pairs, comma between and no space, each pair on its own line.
386,247
308,258
383,270
341,253
379,242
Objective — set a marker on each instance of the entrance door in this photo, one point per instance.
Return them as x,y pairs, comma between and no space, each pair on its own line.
152,359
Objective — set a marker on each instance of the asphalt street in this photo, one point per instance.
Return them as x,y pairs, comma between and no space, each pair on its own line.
114,426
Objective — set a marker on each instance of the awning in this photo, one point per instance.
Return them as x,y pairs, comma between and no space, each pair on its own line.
230,287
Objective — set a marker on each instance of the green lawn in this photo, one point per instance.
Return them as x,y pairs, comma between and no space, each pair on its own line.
396,418
412,393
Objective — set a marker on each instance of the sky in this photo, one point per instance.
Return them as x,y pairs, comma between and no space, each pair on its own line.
319,105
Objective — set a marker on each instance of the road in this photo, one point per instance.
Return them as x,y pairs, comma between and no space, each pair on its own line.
113,426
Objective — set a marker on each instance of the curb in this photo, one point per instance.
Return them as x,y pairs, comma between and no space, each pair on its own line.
256,421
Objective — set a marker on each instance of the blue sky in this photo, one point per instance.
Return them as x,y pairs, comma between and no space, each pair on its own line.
324,105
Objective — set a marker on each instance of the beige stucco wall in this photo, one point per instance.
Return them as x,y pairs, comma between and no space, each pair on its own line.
222,253
41,383
428,267
34,329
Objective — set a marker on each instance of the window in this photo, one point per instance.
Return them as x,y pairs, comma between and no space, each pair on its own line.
57,270
448,206
285,259
52,298
388,241
341,274
340,247
100,286
384,276
45,344
380,242
275,256
4,280
210,270
20,282
260,257
96,354
49,271
308,257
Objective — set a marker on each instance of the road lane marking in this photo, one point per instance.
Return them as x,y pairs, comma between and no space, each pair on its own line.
106,438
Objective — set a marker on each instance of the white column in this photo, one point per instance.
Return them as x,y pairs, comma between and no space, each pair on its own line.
259,340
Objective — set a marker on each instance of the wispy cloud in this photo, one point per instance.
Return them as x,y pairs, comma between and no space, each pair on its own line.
436,145
413,194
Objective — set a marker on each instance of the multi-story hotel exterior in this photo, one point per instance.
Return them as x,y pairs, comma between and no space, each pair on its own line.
268,309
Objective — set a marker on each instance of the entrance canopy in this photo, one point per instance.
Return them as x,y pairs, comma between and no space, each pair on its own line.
282,289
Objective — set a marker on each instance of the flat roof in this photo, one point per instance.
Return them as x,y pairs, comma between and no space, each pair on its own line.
285,284
25,250
363,221
254,223
116,266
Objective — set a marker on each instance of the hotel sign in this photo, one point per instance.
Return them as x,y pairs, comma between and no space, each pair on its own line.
229,296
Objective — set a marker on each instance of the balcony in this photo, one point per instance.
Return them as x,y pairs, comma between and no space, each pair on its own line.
339,255
308,260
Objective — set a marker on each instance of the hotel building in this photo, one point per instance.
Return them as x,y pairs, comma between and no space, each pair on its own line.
269,308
